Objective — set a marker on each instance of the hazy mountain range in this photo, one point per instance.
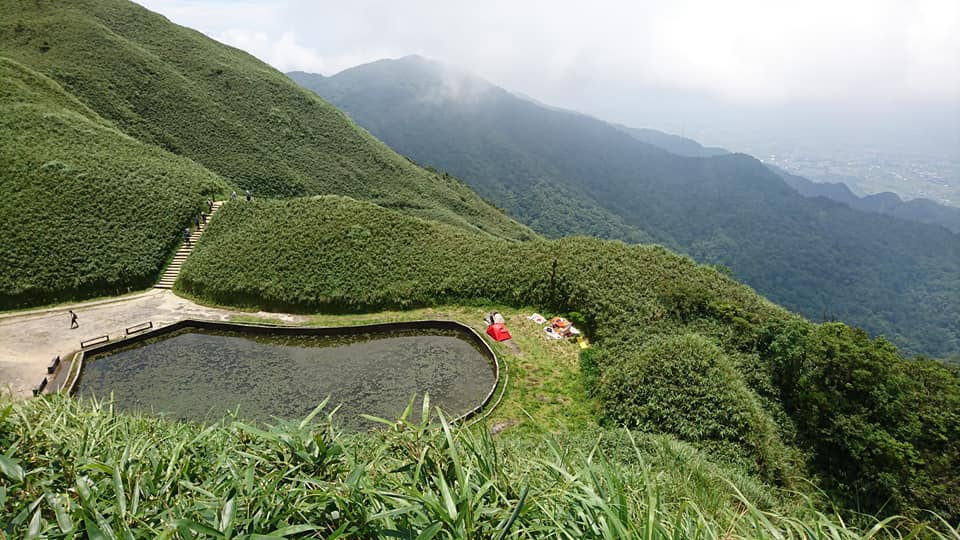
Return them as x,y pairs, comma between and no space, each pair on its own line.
563,173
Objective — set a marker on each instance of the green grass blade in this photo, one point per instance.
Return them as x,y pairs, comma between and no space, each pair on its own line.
11,469
430,532
516,512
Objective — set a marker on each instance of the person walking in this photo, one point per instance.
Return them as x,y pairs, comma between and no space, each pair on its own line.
73,320
248,196
233,196
186,235
210,205
203,218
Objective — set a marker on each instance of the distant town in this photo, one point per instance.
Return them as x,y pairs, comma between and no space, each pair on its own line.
868,172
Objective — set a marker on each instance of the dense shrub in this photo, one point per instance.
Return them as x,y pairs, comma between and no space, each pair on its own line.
884,430
685,385
86,210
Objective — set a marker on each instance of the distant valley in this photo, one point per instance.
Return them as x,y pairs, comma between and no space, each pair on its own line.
888,203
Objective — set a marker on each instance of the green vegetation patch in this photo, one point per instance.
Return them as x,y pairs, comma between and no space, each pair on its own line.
72,469
175,88
335,254
685,385
86,210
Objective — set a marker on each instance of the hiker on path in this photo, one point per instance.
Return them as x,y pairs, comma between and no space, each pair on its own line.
248,196
203,218
233,196
186,235
73,320
210,205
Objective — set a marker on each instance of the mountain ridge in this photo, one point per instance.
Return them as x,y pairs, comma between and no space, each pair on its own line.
178,89
816,256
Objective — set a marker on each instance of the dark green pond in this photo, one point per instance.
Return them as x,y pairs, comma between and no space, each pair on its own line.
200,375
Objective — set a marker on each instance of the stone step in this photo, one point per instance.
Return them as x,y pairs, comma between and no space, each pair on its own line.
172,271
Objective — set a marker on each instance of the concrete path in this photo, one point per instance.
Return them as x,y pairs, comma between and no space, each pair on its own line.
29,340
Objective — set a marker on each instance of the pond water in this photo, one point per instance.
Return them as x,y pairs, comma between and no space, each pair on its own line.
201,375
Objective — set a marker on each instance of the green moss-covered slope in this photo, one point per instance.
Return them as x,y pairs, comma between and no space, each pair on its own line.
175,88
86,210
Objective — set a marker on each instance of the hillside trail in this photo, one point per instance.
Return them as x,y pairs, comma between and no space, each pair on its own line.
30,339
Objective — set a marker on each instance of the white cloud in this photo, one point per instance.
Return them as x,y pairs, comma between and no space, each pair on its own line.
284,53
666,63
746,50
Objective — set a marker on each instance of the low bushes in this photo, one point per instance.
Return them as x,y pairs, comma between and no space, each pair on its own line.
686,386
86,211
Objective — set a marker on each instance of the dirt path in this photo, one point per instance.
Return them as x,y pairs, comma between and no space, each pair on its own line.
29,340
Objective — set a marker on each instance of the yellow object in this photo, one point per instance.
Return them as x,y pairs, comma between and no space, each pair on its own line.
582,342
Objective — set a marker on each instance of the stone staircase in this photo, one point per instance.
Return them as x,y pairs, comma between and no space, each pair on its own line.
170,274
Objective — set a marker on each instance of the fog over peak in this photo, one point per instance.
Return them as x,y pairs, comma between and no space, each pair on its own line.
874,70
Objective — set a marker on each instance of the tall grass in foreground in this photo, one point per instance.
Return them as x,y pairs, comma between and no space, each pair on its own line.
72,469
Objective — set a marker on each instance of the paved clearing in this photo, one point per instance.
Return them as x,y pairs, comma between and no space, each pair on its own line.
28,340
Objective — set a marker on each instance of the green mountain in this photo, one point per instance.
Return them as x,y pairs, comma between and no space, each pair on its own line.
521,183
175,88
87,210
117,125
887,203
890,204
815,256
675,144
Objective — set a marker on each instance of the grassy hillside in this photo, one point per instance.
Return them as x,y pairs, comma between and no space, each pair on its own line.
86,210
894,278
780,388
175,88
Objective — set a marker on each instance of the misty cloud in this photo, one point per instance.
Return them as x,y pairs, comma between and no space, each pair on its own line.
677,65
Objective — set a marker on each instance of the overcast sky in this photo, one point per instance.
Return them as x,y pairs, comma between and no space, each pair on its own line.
731,71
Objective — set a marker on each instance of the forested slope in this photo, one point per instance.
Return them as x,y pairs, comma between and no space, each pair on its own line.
821,258
86,210
178,89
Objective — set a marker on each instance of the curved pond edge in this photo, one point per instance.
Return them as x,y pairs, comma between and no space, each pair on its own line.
76,364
